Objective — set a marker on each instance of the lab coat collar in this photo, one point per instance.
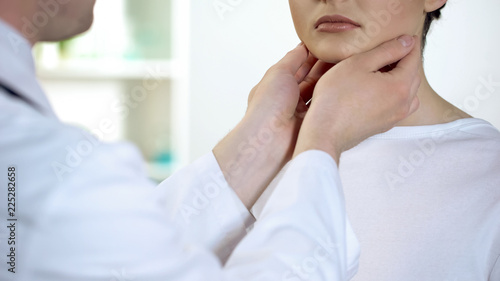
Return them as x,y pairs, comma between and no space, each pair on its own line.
17,68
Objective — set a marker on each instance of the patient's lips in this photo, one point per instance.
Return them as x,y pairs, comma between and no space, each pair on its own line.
335,23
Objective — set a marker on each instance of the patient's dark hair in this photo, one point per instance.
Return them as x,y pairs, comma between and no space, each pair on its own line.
429,18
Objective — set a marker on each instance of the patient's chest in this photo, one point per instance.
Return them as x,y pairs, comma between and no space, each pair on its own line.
427,218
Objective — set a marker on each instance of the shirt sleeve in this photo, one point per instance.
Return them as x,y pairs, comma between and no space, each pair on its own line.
199,200
495,273
303,232
86,211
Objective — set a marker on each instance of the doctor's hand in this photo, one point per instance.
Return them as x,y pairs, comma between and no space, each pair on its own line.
354,100
253,153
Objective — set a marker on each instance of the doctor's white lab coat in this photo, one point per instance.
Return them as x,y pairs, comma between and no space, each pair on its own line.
85,210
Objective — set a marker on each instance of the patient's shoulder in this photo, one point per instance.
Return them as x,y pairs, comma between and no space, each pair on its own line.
481,129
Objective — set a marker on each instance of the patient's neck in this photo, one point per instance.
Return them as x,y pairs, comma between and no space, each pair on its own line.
433,108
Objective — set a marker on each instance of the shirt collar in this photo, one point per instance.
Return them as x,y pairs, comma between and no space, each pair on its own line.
17,68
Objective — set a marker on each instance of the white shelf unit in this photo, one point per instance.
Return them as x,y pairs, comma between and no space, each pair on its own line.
108,69
157,124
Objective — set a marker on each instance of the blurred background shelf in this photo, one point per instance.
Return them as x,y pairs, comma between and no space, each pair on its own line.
126,71
109,69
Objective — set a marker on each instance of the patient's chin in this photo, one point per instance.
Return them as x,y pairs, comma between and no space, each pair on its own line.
334,48
330,57
330,54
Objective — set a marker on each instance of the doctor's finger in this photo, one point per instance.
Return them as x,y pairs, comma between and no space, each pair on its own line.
309,82
293,60
409,65
385,54
305,68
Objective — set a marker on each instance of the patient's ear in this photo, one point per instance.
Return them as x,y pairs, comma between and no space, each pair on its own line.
432,5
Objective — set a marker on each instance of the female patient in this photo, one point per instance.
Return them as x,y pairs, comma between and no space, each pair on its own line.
424,197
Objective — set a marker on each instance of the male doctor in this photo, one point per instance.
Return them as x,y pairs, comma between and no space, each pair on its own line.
105,221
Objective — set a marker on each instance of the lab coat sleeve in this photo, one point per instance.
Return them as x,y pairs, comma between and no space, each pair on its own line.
495,272
86,211
199,200
303,232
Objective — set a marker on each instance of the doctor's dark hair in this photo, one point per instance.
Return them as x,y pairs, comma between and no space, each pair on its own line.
429,18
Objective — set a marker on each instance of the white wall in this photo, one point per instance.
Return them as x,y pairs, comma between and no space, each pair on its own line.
229,55
463,49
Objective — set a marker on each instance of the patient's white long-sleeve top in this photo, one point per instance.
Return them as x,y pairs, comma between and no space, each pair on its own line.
424,202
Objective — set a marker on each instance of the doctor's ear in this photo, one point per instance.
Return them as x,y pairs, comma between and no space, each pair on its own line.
433,5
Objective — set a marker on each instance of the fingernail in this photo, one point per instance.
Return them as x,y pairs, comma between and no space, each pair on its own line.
405,40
